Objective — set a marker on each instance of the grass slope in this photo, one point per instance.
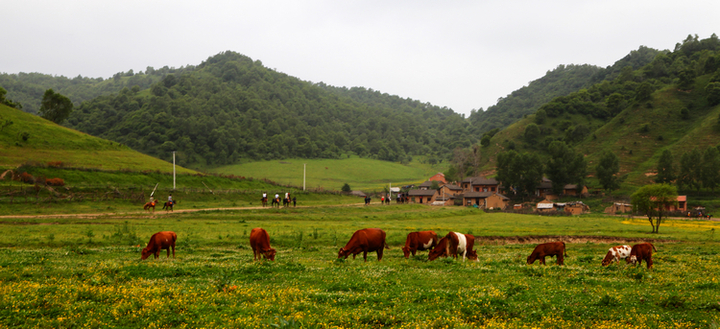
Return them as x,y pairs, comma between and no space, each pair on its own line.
359,173
48,142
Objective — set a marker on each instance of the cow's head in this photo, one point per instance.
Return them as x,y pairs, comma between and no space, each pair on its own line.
406,251
437,252
342,253
145,253
631,260
608,259
472,255
270,254
531,259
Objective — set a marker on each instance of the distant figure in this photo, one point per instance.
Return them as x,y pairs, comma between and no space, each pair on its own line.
294,201
170,199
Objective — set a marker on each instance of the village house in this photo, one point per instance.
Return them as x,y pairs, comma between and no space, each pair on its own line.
426,196
618,208
439,177
480,184
544,190
485,200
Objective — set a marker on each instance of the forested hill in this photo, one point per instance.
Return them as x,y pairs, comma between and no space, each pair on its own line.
230,107
28,88
563,80
670,104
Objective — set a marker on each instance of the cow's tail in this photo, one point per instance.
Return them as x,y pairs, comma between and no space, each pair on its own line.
564,250
655,250
386,245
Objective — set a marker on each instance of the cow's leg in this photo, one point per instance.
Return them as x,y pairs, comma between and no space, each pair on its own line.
649,263
380,254
542,260
464,254
365,255
560,259
168,253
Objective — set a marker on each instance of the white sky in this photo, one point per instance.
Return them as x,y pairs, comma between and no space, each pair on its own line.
459,54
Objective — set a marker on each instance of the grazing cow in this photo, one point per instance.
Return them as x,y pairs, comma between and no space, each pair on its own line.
365,240
443,246
440,250
460,243
640,252
160,241
424,240
260,243
615,254
548,249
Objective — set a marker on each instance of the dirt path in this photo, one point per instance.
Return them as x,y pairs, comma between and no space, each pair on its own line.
157,213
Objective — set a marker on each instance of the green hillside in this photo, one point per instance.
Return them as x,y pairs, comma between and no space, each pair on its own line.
669,104
561,81
231,107
331,174
31,139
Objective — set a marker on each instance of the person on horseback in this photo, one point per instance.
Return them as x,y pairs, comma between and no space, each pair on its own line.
170,199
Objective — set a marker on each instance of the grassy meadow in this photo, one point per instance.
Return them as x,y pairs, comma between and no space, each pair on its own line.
86,272
330,174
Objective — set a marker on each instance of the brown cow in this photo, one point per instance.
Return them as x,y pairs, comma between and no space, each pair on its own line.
640,252
160,241
365,240
424,240
260,243
548,249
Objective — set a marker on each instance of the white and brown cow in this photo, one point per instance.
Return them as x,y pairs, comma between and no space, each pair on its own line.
615,254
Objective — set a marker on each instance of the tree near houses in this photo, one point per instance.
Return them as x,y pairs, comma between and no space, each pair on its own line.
519,171
665,168
55,107
690,175
652,200
565,167
606,170
346,188
710,170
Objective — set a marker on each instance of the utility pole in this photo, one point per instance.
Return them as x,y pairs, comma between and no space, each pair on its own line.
173,170
304,171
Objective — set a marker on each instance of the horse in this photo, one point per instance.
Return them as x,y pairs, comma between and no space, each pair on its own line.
149,205
168,206
275,201
264,201
286,202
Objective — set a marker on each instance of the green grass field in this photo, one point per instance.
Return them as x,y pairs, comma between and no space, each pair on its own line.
86,272
330,174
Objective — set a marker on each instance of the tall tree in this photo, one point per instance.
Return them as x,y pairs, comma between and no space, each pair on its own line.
565,167
55,107
607,169
690,175
665,168
651,200
520,172
711,168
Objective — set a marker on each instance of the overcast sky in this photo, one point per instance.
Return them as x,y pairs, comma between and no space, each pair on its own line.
460,54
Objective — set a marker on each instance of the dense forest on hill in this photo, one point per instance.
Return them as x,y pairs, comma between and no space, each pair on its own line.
636,113
561,81
28,88
230,108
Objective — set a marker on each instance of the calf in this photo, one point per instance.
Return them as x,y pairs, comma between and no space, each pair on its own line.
160,241
640,252
615,254
424,240
440,250
260,243
365,240
548,249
